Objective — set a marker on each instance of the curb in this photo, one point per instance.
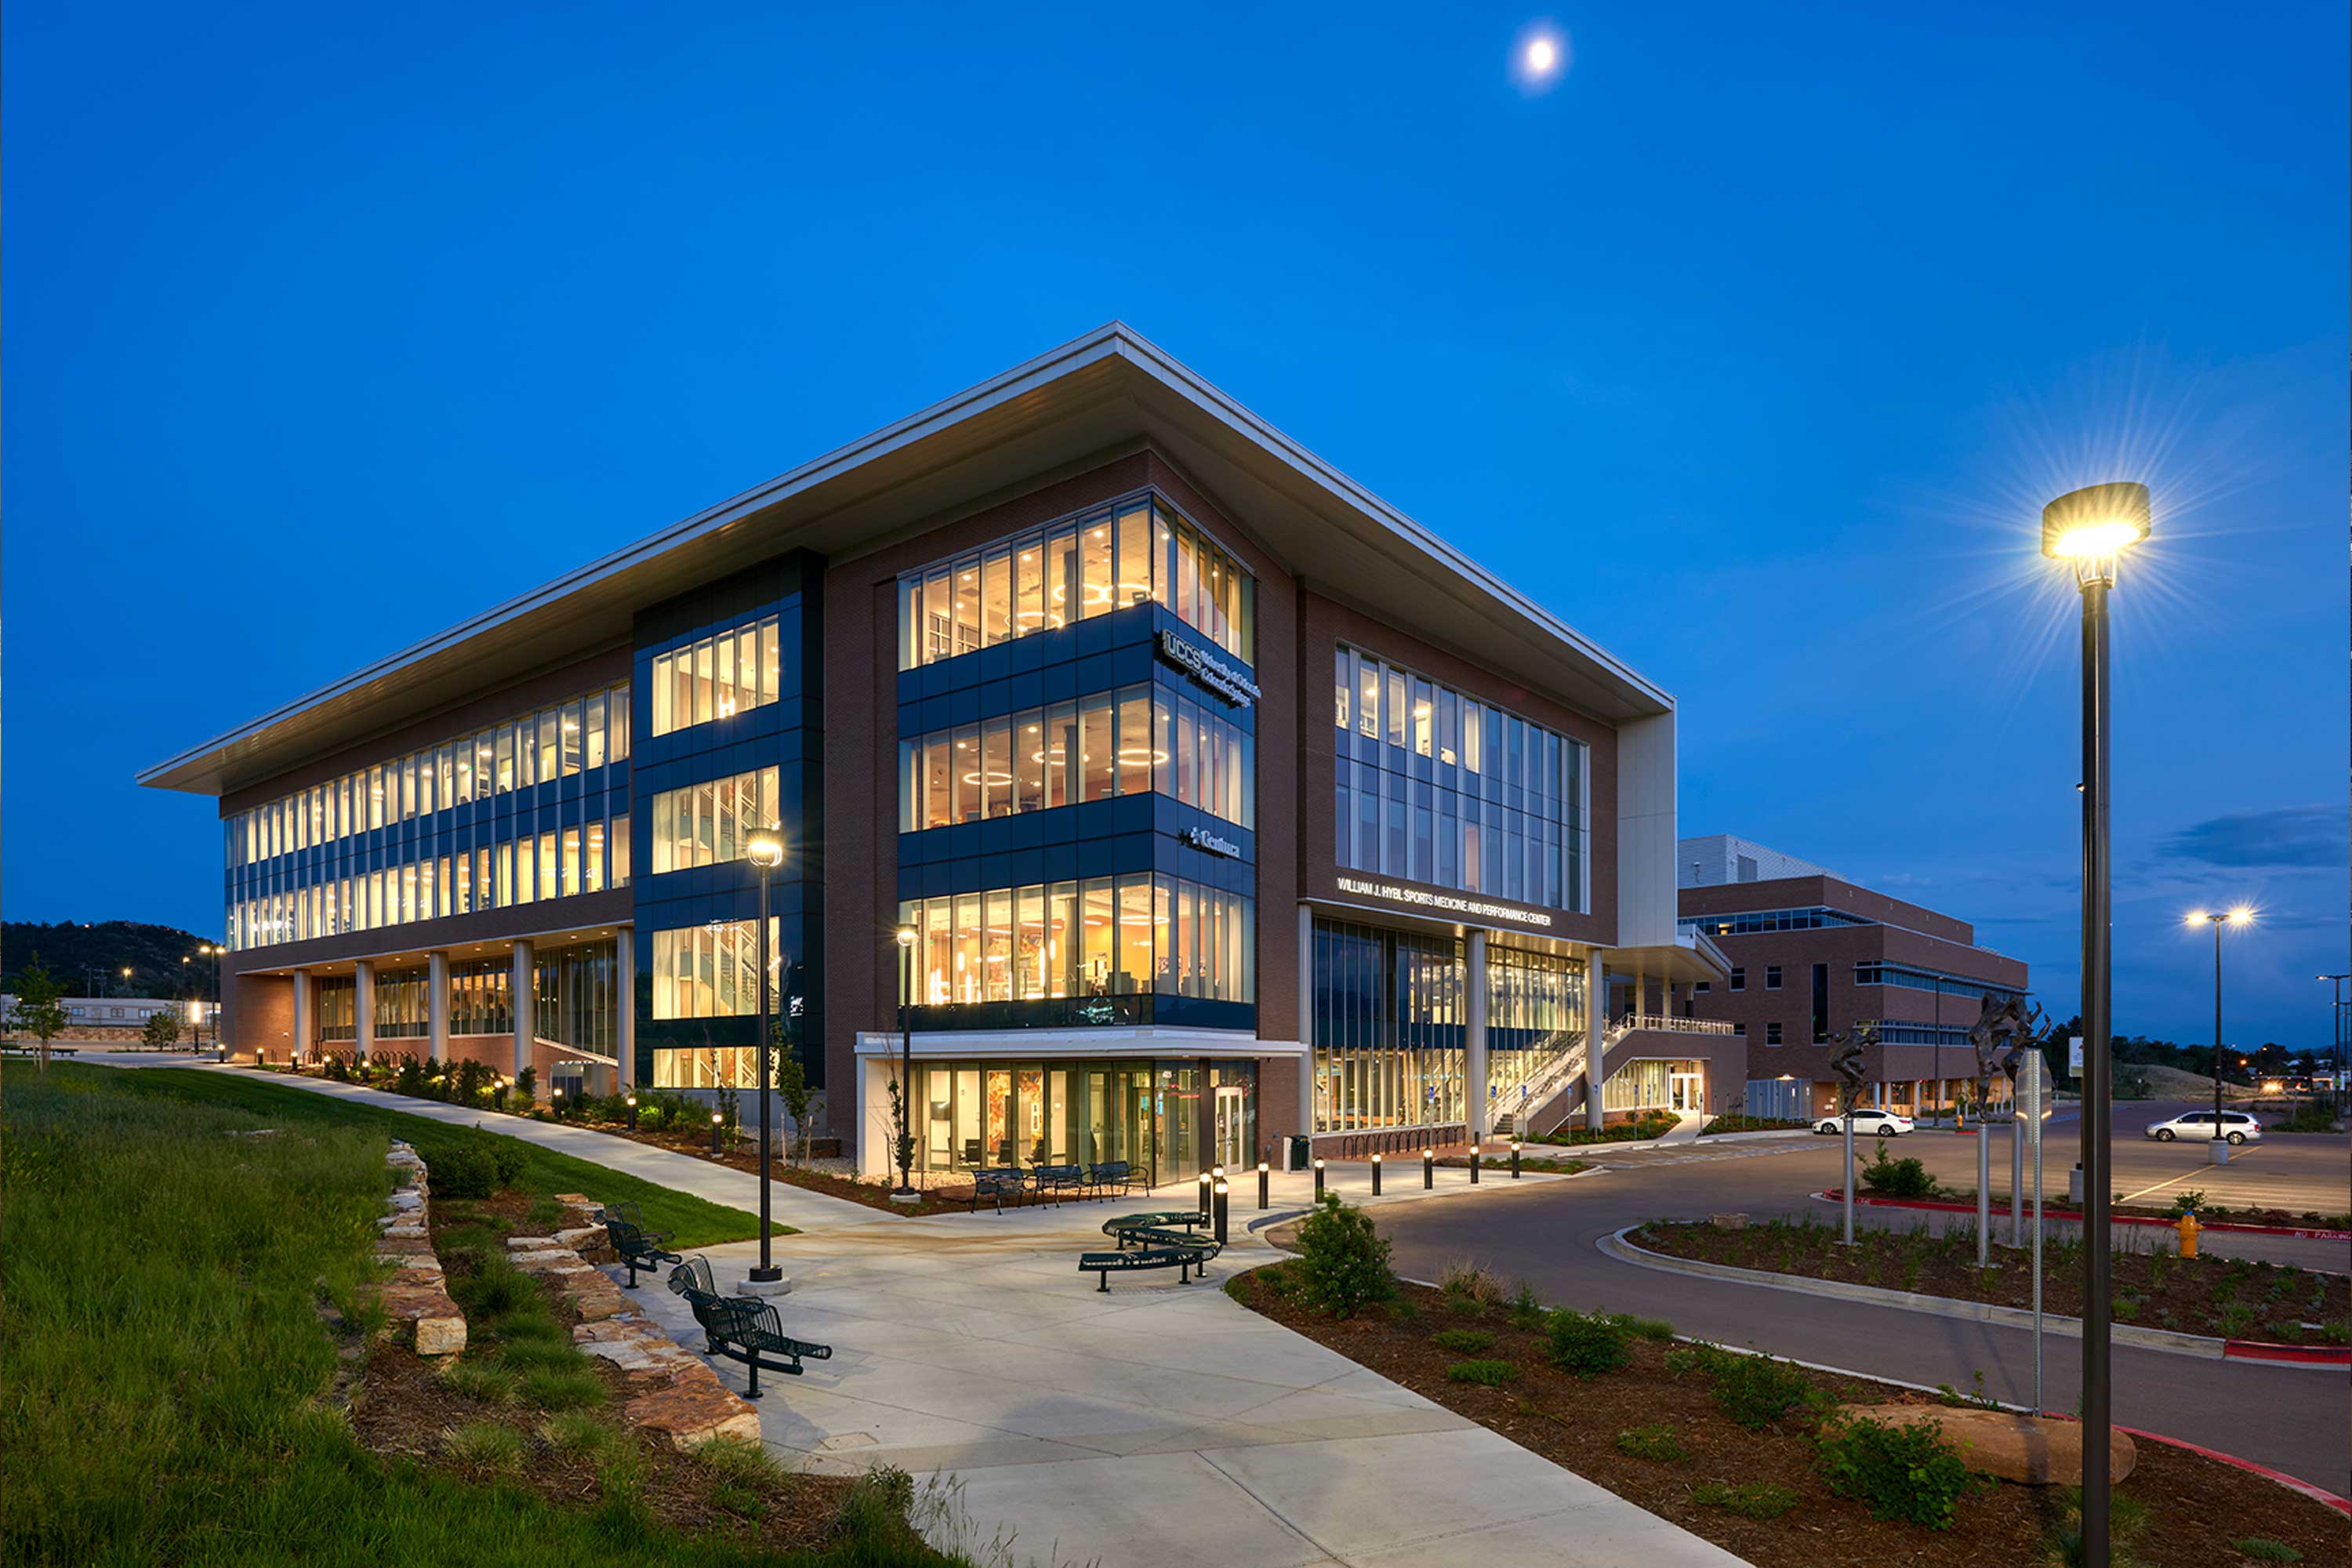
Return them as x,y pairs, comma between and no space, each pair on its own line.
2202,1346
2296,1233
2317,1494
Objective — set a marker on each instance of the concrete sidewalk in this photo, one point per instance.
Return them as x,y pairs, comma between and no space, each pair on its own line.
794,1206
1161,1425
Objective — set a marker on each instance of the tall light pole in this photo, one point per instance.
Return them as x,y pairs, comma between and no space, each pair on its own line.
904,1138
2219,1153
766,852
2335,1063
2091,528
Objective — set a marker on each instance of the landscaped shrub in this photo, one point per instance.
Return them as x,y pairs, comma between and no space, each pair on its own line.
1645,1327
1586,1343
333,1067
1469,1290
1463,1342
1905,1178
1663,1443
1755,1390
1526,1308
507,1157
1910,1472
1489,1373
1343,1261
410,1078
2262,1549
484,1446
1756,1499
466,1169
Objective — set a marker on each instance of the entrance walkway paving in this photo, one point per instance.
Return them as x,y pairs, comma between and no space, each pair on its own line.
1161,1425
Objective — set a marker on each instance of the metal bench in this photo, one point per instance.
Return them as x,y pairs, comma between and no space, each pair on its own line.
1128,1226
1111,1175
1188,1255
741,1328
638,1249
1057,1180
992,1183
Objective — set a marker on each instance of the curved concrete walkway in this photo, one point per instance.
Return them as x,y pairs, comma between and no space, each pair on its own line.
794,1206
1158,1426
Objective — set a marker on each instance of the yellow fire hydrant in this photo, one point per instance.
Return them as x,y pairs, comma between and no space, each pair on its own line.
2188,1235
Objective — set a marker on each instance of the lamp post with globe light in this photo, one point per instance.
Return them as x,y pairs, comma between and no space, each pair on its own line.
2090,529
903,1137
766,852
2219,1153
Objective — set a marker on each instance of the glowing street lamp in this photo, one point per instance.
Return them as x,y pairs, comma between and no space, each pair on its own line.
766,852
2090,529
904,1136
2219,1153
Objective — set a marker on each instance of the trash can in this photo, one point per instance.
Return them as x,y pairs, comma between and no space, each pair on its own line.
1295,1152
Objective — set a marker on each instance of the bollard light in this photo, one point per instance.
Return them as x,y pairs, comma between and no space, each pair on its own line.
633,1113
1221,1190
557,1094
1428,1170
1477,1158
1319,1181
715,1120
1514,1159
1206,1180
1261,1184
1376,1175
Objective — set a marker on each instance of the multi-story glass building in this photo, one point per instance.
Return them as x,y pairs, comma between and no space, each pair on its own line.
1219,803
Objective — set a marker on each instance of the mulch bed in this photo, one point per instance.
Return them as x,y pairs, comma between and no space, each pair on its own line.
403,1410
2196,1505
1548,1164
2282,1219
2161,1292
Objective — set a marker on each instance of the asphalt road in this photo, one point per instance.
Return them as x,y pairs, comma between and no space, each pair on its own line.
2289,1417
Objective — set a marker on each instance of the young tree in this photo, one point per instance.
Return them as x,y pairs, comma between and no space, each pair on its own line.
40,1011
792,1084
162,1030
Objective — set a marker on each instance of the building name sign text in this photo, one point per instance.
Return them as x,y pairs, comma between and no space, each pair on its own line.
1215,844
1208,669
1451,903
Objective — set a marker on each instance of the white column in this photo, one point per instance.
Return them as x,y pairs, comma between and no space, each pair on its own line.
1475,1100
305,1030
437,1007
522,988
363,1006
1307,1021
1596,1024
625,973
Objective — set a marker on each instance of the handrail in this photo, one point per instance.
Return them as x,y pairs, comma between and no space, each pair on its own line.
1667,1023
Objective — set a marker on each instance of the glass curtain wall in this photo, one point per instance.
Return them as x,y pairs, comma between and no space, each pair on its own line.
401,1000
1641,1084
1436,786
1102,936
718,677
713,971
578,1000
1390,1020
1131,742
478,1003
711,823
1135,551
1154,1115
1535,1010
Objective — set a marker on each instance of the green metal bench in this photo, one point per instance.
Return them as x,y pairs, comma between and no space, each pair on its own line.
741,1328
638,1248
1127,1225
1188,1255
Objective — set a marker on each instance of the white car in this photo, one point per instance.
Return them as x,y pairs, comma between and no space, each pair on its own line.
2236,1126
1867,1123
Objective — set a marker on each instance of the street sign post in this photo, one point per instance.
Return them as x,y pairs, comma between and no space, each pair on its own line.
2032,1094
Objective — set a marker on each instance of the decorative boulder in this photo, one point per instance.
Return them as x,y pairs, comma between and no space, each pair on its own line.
2033,1450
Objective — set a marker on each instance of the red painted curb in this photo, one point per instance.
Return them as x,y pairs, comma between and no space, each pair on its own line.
1832,1194
2264,1350
2317,1494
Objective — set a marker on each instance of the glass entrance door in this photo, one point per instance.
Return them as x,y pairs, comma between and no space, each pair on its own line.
1686,1090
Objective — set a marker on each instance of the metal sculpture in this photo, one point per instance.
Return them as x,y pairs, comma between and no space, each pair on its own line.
1849,1049
2006,1028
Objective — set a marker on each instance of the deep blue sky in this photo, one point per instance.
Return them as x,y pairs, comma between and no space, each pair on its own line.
1751,348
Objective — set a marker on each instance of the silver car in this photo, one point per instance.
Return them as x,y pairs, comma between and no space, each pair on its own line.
2235,1125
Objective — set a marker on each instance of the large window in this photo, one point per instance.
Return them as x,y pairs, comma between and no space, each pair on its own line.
415,837
1135,551
1390,1026
1436,786
718,677
1753,921
711,823
1535,1010
713,971
578,1000
1129,741
1104,936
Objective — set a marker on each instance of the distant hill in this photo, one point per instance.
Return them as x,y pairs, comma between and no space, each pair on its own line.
72,950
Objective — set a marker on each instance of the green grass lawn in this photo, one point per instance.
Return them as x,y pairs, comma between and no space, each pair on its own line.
165,1356
692,1221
